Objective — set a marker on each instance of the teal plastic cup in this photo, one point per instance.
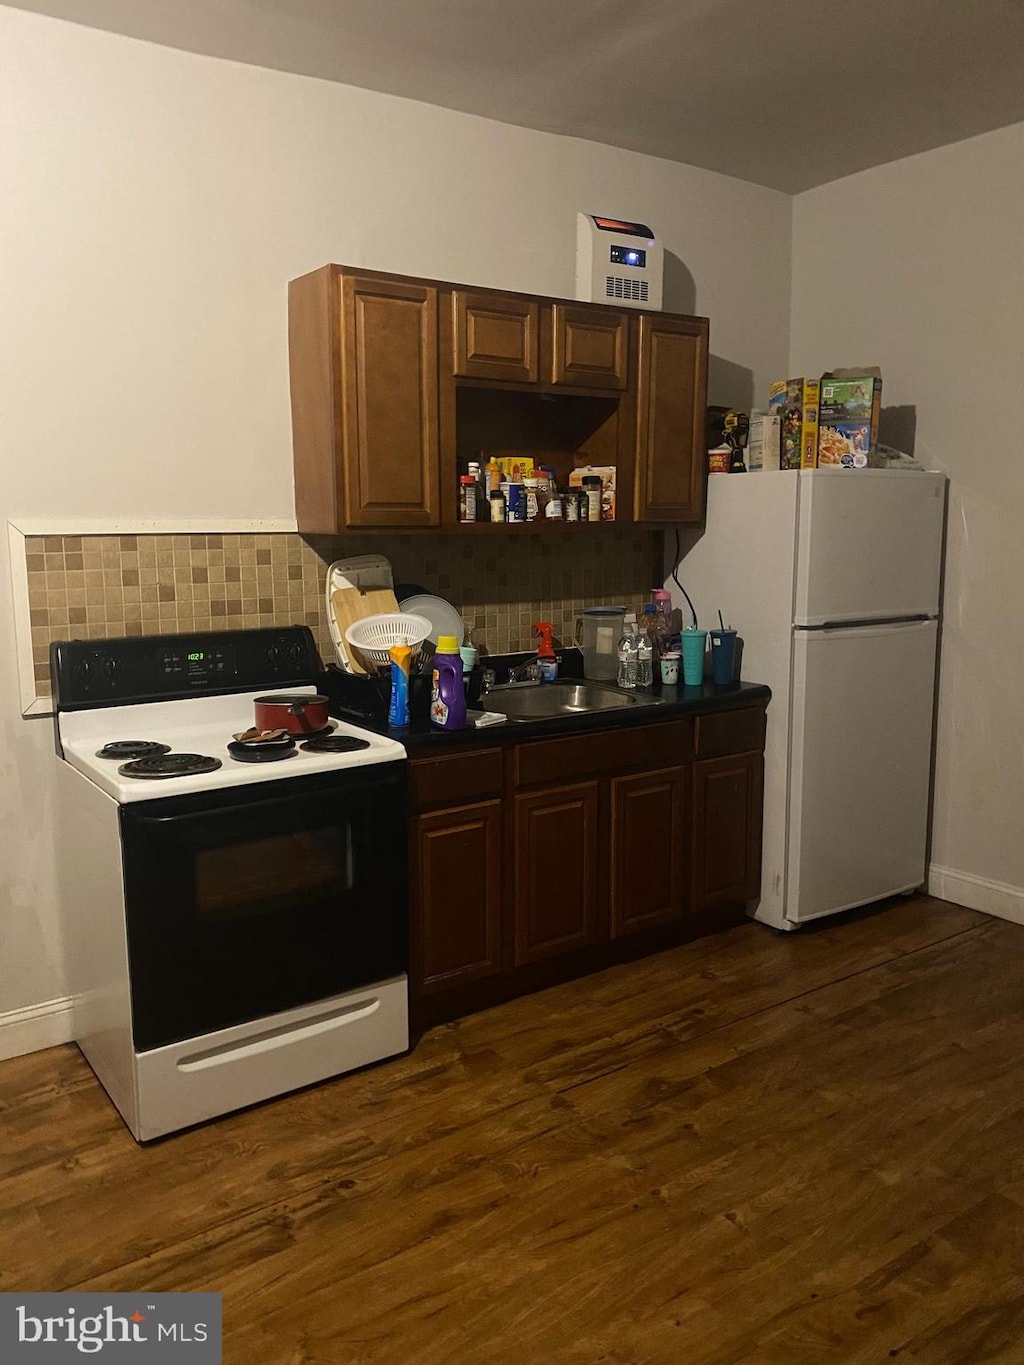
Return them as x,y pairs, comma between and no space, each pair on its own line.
694,644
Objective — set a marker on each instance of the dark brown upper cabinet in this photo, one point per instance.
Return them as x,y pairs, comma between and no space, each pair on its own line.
591,346
671,467
496,336
397,382
363,352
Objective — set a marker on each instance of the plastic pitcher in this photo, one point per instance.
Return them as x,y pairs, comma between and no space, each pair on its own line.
598,632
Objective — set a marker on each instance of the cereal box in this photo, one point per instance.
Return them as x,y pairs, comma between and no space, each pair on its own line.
795,402
764,445
851,401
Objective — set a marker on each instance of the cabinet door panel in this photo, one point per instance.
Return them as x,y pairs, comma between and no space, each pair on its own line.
590,347
727,801
556,853
671,462
495,337
456,896
648,841
389,376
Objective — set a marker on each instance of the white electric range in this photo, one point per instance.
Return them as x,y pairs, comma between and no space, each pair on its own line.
236,926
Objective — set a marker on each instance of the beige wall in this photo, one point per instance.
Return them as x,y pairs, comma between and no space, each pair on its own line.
154,205
919,267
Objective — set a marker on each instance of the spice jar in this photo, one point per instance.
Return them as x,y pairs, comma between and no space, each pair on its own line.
467,498
592,488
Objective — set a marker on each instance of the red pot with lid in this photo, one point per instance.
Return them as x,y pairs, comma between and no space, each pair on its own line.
300,713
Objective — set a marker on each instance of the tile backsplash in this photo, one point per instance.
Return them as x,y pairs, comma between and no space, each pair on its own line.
90,587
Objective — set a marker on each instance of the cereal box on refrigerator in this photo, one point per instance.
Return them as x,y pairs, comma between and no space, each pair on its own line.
764,445
851,401
796,403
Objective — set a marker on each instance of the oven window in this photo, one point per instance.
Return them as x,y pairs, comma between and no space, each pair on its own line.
273,873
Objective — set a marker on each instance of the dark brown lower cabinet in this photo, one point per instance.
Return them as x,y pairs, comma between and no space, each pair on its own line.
555,861
456,896
536,861
727,808
648,849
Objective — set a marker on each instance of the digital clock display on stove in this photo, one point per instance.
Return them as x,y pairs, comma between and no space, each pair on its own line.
199,664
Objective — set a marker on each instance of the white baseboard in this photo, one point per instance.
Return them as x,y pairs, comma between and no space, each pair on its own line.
36,1027
977,893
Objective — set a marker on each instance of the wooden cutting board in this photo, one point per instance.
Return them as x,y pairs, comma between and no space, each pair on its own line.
351,605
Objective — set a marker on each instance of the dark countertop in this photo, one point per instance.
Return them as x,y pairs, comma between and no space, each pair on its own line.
421,737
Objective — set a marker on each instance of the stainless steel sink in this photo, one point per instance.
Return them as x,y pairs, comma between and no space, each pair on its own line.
548,701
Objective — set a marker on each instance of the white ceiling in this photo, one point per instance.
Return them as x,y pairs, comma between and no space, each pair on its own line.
786,93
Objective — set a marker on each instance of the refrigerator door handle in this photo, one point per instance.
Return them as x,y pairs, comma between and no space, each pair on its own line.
875,626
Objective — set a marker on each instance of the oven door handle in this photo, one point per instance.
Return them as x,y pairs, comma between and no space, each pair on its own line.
354,800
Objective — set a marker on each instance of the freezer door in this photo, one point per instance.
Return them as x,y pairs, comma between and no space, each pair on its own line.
860,764
869,545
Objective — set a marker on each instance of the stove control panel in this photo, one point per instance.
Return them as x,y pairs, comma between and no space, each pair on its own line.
142,668
197,663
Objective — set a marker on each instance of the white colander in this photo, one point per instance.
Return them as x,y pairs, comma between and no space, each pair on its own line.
373,636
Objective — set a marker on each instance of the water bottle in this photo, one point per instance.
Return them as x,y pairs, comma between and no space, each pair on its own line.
656,627
644,656
626,676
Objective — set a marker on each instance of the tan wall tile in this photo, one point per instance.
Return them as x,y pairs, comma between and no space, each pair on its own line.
111,585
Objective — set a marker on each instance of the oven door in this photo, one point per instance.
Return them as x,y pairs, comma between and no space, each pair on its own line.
246,902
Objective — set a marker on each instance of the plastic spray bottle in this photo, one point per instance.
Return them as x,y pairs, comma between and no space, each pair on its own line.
547,661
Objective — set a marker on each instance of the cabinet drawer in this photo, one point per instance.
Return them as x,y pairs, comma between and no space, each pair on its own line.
590,347
729,732
495,337
451,779
585,755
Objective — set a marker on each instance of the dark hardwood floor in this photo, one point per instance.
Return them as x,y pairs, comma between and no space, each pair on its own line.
754,1148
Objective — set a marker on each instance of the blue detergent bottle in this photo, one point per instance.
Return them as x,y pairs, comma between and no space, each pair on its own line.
448,696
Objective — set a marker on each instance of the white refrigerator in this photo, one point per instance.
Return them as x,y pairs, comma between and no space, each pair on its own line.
832,579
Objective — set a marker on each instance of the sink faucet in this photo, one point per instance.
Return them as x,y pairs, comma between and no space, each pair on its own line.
524,673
